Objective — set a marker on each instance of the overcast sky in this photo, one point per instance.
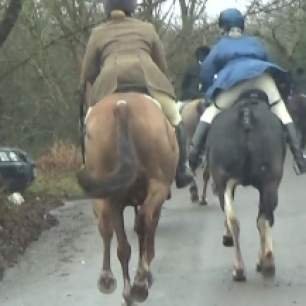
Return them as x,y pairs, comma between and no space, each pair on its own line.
214,7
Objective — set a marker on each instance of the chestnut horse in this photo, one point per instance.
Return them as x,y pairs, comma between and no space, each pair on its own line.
131,158
191,113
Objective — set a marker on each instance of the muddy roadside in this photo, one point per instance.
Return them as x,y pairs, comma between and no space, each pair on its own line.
21,225
55,183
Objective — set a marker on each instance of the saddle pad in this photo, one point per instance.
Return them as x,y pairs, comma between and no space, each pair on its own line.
153,100
181,105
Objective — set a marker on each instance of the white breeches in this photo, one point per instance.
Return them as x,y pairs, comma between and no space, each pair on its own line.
264,83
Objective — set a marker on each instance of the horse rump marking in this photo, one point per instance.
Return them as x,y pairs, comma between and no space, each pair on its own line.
119,102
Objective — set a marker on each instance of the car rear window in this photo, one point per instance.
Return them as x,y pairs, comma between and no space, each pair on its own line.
4,157
9,156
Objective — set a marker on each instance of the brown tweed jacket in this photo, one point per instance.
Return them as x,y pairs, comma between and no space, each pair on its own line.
124,52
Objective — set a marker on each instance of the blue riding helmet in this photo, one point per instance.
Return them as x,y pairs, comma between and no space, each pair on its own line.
231,18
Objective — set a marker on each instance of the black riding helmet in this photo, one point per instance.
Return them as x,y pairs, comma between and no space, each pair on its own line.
231,18
127,6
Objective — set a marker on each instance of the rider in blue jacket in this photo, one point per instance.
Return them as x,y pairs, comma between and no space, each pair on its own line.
236,64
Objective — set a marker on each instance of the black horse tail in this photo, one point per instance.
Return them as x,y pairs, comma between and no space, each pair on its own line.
126,171
246,117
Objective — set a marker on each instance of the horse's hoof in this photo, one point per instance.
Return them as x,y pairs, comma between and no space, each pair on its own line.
268,271
268,265
127,303
140,291
107,284
194,198
228,241
239,275
203,202
194,195
150,279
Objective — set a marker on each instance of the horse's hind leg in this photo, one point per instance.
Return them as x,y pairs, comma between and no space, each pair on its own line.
140,287
193,189
123,251
227,236
233,225
265,220
148,217
107,282
205,184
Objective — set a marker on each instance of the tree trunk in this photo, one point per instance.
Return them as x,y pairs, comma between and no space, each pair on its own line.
9,19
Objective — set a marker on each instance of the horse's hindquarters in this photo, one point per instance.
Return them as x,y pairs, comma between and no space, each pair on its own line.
247,154
152,136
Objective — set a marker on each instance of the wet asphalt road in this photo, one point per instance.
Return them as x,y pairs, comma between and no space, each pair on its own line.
191,265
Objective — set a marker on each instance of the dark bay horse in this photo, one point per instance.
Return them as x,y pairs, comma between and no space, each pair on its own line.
131,158
191,113
246,146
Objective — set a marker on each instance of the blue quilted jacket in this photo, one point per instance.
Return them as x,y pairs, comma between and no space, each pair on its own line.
233,60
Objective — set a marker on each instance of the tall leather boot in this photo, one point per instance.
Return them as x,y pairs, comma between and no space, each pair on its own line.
183,174
198,144
295,148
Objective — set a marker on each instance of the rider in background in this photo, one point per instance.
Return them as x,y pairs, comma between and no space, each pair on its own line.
236,64
126,54
191,84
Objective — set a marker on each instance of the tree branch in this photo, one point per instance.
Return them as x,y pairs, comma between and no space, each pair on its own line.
48,45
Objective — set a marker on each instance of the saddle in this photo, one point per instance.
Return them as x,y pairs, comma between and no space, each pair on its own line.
141,89
254,95
132,88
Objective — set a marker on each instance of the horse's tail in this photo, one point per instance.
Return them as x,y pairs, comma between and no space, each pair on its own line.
246,117
125,174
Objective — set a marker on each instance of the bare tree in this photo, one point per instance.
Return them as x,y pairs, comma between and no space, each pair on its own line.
9,19
191,11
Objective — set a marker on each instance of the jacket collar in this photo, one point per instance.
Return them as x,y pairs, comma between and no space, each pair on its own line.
117,14
234,32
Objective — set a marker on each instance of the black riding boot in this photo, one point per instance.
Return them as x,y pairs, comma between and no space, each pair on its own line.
198,144
183,174
295,148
